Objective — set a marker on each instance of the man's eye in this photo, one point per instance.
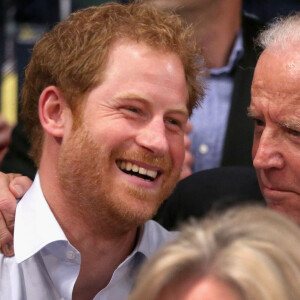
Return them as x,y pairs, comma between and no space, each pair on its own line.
174,123
132,109
293,132
258,122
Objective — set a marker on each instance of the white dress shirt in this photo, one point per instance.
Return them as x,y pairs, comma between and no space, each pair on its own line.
46,265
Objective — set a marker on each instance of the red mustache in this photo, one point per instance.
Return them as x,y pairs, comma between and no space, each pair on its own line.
165,163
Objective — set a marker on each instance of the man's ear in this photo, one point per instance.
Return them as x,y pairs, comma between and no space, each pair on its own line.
53,111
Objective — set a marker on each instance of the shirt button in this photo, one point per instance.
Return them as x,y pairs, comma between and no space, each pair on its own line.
203,148
70,255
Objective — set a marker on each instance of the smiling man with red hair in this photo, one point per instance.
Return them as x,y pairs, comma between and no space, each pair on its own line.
106,98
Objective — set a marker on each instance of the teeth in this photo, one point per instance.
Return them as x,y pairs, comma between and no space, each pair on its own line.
135,168
151,173
128,166
142,171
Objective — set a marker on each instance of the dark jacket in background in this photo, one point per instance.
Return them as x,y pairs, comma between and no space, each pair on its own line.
209,190
239,133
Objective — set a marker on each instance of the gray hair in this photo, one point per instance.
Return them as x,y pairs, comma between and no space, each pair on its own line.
282,33
254,250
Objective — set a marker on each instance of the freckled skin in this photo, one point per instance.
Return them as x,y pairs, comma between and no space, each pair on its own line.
275,107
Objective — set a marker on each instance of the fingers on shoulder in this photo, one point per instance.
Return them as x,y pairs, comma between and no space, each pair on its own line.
19,185
6,238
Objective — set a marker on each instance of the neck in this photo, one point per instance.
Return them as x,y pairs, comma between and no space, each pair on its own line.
98,262
216,28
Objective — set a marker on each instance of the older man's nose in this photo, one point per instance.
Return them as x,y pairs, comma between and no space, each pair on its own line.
267,154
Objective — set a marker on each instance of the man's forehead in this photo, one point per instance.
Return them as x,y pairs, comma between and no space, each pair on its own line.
287,59
138,50
278,69
141,63
275,89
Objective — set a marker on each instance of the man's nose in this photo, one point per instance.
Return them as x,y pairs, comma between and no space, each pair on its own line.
152,136
267,152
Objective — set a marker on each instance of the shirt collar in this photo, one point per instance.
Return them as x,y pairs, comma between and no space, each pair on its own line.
35,225
152,236
234,57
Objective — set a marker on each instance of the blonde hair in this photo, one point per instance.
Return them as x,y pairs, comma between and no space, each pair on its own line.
73,55
252,249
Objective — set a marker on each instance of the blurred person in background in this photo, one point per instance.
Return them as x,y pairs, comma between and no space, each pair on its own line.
248,253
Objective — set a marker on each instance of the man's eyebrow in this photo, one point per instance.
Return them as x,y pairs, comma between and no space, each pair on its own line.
133,96
180,110
251,113
293,124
